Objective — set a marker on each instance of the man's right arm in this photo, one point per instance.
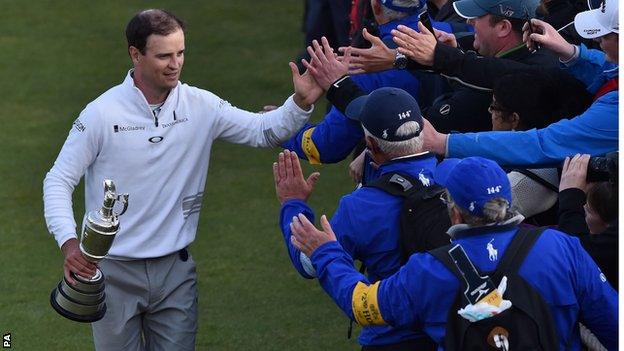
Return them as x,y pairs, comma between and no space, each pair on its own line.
79,151
329,141
594,132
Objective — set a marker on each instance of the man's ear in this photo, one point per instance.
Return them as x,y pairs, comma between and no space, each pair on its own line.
372,145
135,54
505,28
515,121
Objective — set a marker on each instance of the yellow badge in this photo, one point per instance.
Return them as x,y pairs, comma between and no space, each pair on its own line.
365,306
309,148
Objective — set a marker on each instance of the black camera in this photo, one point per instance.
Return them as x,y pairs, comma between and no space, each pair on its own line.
603,168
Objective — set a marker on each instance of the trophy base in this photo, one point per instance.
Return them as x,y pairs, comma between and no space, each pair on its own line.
74,316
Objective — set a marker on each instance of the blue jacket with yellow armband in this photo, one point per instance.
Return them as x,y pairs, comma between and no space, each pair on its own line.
334,138
421,293
366,224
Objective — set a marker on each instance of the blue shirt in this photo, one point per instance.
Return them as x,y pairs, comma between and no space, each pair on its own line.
366,224
594,132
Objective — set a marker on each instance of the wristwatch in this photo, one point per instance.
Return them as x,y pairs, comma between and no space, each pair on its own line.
400,61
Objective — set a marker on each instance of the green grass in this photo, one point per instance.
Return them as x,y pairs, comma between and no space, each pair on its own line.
58,56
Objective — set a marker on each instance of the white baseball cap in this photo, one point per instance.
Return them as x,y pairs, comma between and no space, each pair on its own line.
599,22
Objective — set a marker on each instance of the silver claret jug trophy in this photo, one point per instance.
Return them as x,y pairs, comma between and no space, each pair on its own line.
85,301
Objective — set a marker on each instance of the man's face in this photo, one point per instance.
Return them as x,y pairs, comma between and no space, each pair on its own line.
485,38
609,44
160,67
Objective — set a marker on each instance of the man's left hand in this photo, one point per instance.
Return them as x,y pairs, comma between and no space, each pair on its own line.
289,181
420,47
574,173
306,238
307,91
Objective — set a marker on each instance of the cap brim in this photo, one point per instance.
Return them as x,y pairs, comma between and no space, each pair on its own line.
587,25
468,9
443,170
355,108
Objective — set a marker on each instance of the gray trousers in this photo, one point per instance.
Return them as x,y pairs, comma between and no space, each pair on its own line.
151,304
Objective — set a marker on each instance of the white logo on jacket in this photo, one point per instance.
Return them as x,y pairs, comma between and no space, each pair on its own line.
424,180
492,252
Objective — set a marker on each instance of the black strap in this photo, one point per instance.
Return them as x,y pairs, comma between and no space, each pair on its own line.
515,254
396,184
517,251
537,179
404,185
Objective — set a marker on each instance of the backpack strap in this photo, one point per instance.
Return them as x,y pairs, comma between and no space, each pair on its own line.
517,251
403,185
395,184
537,179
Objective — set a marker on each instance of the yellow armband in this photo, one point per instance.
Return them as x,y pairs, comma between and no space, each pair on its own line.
365,306
310,150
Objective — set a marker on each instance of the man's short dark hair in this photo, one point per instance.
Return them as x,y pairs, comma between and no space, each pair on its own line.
148,22
516,23
602,197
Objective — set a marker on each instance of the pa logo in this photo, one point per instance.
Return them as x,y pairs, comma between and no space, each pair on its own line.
6,341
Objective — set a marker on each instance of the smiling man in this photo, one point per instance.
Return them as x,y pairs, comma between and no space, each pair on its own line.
152,135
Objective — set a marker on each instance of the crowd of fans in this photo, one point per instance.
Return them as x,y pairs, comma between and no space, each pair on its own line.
505,111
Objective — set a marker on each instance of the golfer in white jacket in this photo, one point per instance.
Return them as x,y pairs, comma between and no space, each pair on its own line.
152,135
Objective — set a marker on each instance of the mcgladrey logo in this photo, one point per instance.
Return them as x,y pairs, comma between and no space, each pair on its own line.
118,129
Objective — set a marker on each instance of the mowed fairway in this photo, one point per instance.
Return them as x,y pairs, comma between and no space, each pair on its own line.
58,56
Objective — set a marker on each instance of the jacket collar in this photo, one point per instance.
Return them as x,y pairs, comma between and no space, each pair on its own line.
412,164
139,99
460,230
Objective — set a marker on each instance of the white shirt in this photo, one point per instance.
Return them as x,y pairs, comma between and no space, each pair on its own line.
162,162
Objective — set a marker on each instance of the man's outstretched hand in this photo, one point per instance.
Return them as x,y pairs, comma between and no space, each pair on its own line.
289,181
306,237
374,59
307,91
419,47
324,64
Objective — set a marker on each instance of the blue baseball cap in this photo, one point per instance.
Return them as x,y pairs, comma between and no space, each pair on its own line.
405,9
384,110
521,9
472,182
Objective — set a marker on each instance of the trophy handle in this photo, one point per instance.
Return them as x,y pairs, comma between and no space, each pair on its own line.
124,199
